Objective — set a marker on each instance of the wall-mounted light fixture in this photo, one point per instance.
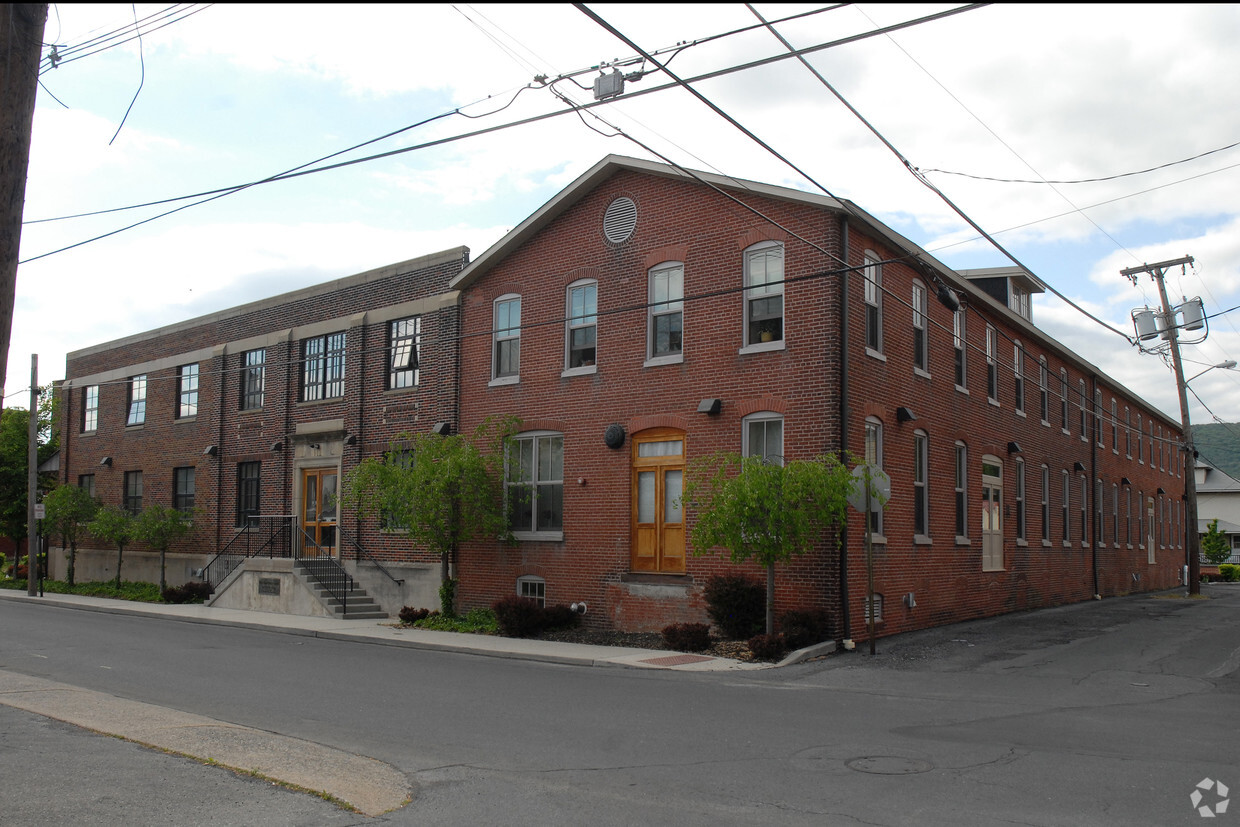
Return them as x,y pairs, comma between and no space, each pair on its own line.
1078,467
351,439
106,462
905,415
210,451
710,407
1125,481
278,445
613,437
1014,448
441,428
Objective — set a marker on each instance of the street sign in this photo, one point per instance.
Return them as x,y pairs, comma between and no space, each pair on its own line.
39,511
880,487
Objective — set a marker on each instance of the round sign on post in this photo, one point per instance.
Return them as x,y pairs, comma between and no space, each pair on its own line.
879,485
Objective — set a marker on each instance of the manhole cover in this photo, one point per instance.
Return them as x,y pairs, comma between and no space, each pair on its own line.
888,765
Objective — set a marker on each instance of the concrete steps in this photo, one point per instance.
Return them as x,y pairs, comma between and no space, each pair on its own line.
357,605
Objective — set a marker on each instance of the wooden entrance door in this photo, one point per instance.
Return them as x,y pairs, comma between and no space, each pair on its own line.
658,522
318,511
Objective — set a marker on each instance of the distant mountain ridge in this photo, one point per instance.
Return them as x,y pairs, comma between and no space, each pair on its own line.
1219,444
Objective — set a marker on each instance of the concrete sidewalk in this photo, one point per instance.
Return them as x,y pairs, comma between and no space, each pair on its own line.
386,634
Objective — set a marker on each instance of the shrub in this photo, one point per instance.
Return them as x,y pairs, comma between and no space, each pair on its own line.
687,637
447,597
805,628
199,590
410,615
475,621
736,604
1230,572
560,617
768,647
519,616
175,594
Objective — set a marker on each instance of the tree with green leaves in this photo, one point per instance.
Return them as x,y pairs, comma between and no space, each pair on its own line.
69,509
441,490
14,440
113,524
1215,548
764,511
159,527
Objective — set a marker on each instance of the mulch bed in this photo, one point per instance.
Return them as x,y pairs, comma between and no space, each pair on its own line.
734,649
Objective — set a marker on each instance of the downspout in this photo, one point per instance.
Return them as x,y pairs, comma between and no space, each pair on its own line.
1093,481
845,621
221,407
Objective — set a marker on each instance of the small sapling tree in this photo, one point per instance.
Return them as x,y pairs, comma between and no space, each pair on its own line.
763,510
1214,546
159,527
113,524
441,490
69,509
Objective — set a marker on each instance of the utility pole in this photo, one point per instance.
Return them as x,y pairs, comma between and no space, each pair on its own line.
32,481
21,46
1171,333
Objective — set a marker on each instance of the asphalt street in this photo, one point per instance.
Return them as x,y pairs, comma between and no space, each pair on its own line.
1110,712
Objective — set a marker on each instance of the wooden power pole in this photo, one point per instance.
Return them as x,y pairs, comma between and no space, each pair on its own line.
21,47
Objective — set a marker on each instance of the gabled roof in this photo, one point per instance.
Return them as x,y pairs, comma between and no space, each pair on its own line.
612,164
1216,482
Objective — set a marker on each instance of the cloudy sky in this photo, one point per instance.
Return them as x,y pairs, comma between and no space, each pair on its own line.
232,94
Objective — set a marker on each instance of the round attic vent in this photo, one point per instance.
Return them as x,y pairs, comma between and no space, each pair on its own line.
619,220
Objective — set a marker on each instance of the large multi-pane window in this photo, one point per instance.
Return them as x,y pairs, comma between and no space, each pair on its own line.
763,436
921,483
921,335
666,320
322,371
1127,432
506,341
253,378
1063,400
764,293
1140,441
873,304
90,408
136,403
535,483
187,391
1098,417
86,482
183,489
1084,510
1082,403
1046,504
581,329
131,496
958,346
247,493
1114,426
404,348
1066,521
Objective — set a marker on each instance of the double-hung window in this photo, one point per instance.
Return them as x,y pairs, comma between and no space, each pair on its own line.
253,378
764,293
873,275
183,489
248,474
137,400
1082,400
763,436
1063,400
86,482
1066,527
506,342
404,348
874,457
322,374
1021,523
132,495
187,391
666,320
535,485
581,328
921,335
1044,394
921,484
958,347
962,502
992,364
90,408
1018,374
1046,504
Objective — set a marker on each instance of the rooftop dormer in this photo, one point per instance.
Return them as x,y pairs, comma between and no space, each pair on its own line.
1011,285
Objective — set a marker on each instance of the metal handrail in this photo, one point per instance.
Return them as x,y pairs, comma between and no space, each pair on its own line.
226,561
359,553
328,573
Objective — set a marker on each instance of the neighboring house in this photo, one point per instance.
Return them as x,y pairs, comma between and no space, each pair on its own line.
645,317
1218,498
249,417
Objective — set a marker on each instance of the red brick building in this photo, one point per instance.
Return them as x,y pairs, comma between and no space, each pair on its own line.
251,416
645,316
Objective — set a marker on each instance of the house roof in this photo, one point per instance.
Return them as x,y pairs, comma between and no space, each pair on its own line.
1216,481
610,165
1224,527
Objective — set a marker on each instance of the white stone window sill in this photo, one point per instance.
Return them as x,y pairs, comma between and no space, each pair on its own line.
762,347
671,359
504,380
585,370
